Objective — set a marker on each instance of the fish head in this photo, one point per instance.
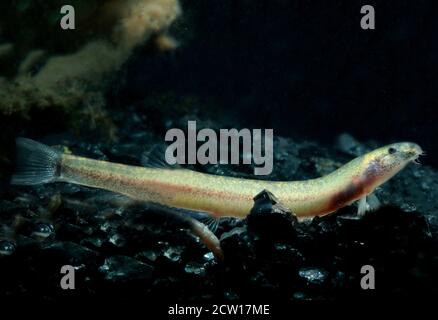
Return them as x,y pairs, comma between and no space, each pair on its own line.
382,164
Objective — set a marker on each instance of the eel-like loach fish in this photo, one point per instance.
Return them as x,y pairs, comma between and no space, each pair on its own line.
217,195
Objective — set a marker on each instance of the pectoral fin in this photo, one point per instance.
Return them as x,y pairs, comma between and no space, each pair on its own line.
368,203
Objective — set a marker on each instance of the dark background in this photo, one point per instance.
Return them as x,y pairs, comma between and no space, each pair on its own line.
306,68
302,67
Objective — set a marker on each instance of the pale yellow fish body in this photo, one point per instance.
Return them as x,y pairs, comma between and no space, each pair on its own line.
229,196
221,196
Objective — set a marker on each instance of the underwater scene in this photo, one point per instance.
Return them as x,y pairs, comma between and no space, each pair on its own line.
218,157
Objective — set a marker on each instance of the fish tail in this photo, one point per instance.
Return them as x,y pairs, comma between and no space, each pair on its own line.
36,163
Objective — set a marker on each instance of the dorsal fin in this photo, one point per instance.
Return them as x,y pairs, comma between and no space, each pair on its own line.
155,158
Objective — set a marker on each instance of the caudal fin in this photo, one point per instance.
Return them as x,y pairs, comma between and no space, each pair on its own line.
36,163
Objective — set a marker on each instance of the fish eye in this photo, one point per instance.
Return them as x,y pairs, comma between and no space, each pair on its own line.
392,150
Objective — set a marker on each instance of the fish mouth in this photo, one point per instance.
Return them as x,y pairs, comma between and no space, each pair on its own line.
417,154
